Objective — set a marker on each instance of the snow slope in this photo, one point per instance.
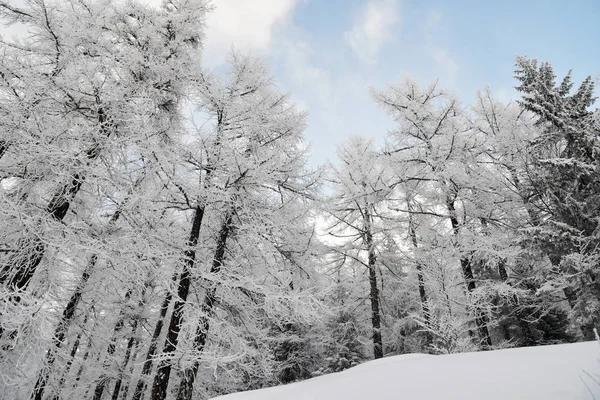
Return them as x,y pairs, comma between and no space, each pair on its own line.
560,372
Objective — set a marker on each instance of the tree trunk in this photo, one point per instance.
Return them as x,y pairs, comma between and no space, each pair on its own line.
374,288
163,373
125,390
69,311
3,147
421,281
147,368
112,347
61,330
502,270
74,348
114,218
86,355
467,270
131,343
19,267
186,387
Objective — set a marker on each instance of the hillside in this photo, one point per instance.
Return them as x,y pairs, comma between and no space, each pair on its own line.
547,372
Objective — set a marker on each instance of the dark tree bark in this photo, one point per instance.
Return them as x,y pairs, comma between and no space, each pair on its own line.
69,312
186,387
467,270
421,281
72,354
131,343
502,270
61,330
161,379
163,373
84,359
147,368
373,287
112,347
20,266
127,385
3,147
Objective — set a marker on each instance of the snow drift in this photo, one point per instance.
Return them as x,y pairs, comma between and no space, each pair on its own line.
565,372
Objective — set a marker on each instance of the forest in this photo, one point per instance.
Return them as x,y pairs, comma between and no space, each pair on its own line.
163,235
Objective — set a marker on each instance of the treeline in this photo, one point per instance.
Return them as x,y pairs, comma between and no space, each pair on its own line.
163,237
478,225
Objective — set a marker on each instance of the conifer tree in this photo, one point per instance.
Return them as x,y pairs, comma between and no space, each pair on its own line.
563,174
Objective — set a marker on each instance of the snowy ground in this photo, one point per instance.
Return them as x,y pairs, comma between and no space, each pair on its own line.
565,372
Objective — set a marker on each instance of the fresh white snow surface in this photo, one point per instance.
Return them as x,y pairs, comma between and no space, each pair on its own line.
559,372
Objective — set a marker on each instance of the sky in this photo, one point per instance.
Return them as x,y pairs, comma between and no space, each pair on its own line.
328,53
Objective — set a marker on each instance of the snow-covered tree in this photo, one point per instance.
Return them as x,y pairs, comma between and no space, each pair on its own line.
90,95
356,207
435,149
563,177
252,161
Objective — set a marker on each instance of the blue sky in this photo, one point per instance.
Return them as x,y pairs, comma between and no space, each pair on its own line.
327,53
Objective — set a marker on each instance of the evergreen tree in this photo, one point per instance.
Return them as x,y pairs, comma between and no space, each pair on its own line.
564,176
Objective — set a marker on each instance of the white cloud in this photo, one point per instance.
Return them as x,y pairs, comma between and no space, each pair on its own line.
310,80
445,65
246,25
303,72
373,28
433,29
